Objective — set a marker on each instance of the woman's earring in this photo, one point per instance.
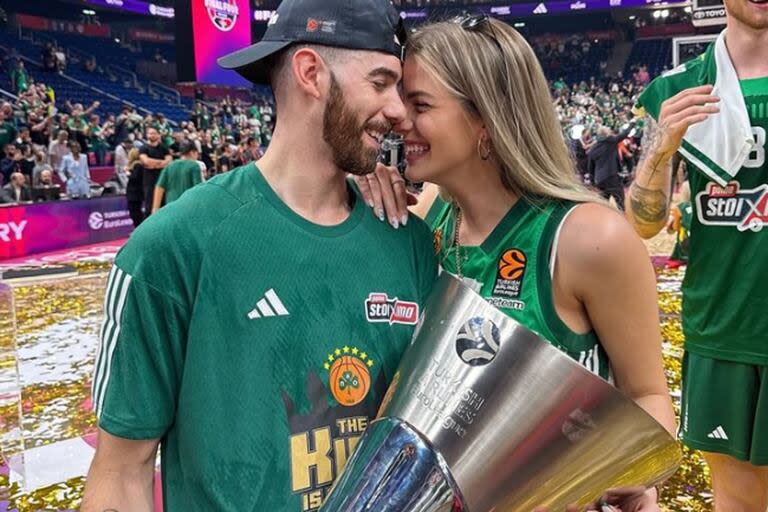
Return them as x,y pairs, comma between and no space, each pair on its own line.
483,151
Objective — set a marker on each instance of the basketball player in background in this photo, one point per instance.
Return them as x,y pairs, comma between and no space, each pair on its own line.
250,325
725,291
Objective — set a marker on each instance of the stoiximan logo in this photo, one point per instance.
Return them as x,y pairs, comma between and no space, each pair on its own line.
223,13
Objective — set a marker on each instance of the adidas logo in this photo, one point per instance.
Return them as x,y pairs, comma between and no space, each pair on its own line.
270,305
718,433
540,9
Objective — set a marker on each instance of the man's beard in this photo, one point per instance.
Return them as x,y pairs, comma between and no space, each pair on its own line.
344,134
740,13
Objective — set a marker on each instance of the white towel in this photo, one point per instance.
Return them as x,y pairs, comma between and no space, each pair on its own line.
721,145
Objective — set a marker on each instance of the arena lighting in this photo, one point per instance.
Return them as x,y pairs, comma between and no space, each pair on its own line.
688,9
117,40
665,13
89,12
656,14
520,24
632,17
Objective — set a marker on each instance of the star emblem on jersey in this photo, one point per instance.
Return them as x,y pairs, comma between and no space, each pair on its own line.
269,305
745,209
380,308
348,375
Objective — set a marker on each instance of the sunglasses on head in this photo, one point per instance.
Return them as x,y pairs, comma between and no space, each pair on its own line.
476,23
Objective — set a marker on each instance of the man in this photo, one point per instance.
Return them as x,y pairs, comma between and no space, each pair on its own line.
19,78
12,163
17,190
153,156
604,164
7,130
164,128
58,148
243,330
46,179
725,369
178,177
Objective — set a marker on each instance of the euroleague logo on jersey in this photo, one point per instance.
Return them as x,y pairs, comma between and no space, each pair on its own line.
477,342
223,13
509,279
348,375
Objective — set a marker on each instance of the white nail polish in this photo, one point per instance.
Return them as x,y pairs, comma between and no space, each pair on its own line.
395,224
404,220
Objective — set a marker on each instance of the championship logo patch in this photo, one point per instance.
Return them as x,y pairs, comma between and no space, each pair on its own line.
509,279
348,375
745,209
223,13
380,308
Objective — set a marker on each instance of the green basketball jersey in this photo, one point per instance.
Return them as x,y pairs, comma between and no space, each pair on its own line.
511,270
178,177
256,344
725,288
682,236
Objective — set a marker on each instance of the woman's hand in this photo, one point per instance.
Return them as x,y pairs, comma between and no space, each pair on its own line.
385,191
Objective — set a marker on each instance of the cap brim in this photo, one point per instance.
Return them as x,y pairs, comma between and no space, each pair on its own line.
250,62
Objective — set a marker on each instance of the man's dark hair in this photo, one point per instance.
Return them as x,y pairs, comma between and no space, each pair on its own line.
187,147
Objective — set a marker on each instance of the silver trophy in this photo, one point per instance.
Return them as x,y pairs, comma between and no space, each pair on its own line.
484,415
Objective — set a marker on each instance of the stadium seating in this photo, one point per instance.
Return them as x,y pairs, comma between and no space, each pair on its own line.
654,53
84,92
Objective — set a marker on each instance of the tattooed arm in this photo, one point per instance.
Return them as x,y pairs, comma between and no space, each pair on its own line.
651,191
649,194
121,476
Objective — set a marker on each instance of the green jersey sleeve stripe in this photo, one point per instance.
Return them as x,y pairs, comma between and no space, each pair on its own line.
102,331
112,340
123,281
109,320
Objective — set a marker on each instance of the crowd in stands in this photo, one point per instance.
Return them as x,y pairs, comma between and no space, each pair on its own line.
570,55
50,144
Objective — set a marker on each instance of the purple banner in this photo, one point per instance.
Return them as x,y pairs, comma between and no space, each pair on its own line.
43,227
136,6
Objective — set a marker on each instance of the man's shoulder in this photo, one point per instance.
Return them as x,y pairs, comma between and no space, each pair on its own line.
180,233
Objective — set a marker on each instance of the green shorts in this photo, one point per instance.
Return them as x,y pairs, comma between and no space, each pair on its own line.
725,408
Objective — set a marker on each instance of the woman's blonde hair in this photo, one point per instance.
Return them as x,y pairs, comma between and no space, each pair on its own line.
133,158
505,86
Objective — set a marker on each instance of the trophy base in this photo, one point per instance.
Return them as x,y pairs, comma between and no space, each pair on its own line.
394,469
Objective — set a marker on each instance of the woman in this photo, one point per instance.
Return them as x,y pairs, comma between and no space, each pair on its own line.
134,191
74,172
511,220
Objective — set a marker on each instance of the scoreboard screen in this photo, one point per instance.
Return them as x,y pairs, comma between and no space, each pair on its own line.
207,30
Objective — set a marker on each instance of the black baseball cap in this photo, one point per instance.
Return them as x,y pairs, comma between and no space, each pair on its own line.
355,24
